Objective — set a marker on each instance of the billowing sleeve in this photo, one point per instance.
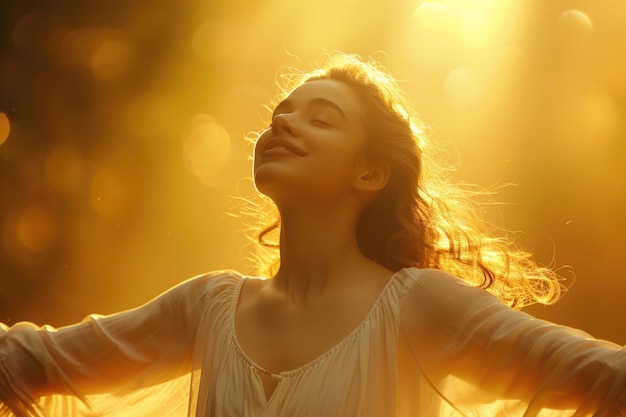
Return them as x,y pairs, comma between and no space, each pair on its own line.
484,358
118,353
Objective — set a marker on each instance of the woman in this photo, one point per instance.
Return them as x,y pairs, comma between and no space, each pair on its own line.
364,314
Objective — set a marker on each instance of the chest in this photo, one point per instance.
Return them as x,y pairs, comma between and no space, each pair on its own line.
359,374
280,337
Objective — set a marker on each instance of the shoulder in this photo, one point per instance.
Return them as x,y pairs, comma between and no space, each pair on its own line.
211,283
434,280
203,288
440,289
222,277
437,302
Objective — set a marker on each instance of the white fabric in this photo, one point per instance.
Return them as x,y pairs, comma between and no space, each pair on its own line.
430,346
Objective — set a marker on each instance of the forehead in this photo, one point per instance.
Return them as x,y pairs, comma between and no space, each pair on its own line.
336,91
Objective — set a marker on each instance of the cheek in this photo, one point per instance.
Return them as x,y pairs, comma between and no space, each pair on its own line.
345,153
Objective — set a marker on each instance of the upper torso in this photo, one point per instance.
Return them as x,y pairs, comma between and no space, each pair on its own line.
281,335
362,369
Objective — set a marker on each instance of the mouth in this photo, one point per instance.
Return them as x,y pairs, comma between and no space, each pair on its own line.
277,147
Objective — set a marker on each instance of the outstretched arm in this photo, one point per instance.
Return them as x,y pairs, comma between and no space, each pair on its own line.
474,349
124,351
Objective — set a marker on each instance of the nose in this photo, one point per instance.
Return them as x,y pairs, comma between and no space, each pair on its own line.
283,123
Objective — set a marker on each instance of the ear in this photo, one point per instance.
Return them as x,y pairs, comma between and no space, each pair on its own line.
373,177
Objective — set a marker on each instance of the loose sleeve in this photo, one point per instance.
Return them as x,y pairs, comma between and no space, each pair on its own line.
486,359
118,353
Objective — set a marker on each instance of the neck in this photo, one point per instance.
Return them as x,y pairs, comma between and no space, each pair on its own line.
319,252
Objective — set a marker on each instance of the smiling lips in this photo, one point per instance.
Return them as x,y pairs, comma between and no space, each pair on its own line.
279,147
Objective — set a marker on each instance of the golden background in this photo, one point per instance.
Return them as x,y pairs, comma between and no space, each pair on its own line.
122,130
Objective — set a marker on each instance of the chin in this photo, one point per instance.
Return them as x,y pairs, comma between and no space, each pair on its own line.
268,183
280,189
273,174
271,190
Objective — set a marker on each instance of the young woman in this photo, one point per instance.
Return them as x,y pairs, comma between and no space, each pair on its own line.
386,297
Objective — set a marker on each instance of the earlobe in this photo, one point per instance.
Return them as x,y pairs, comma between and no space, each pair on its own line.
375,178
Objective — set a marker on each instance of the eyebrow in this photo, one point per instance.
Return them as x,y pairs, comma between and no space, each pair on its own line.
286,104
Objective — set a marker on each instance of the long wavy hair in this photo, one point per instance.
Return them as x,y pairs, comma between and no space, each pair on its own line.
420,219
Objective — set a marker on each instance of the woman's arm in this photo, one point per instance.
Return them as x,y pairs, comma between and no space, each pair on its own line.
124,351
465,337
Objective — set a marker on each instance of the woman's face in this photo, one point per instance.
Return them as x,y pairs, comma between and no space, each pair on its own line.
315,145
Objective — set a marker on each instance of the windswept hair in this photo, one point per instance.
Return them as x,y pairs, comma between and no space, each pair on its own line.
420,219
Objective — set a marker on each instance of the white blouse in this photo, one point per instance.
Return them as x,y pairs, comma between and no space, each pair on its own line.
430,346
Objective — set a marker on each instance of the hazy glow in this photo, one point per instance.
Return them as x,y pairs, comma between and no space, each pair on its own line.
109,60
476,30
106,193
5,127
25,31
598,111
36,229
65,169
203,40
71,48
243,102
463,87
212,41
434,16
576,21
148,115
206,149
84,47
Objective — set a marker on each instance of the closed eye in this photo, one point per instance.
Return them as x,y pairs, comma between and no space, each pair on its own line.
319,122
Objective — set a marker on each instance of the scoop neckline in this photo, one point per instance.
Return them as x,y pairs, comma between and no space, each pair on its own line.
315,361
